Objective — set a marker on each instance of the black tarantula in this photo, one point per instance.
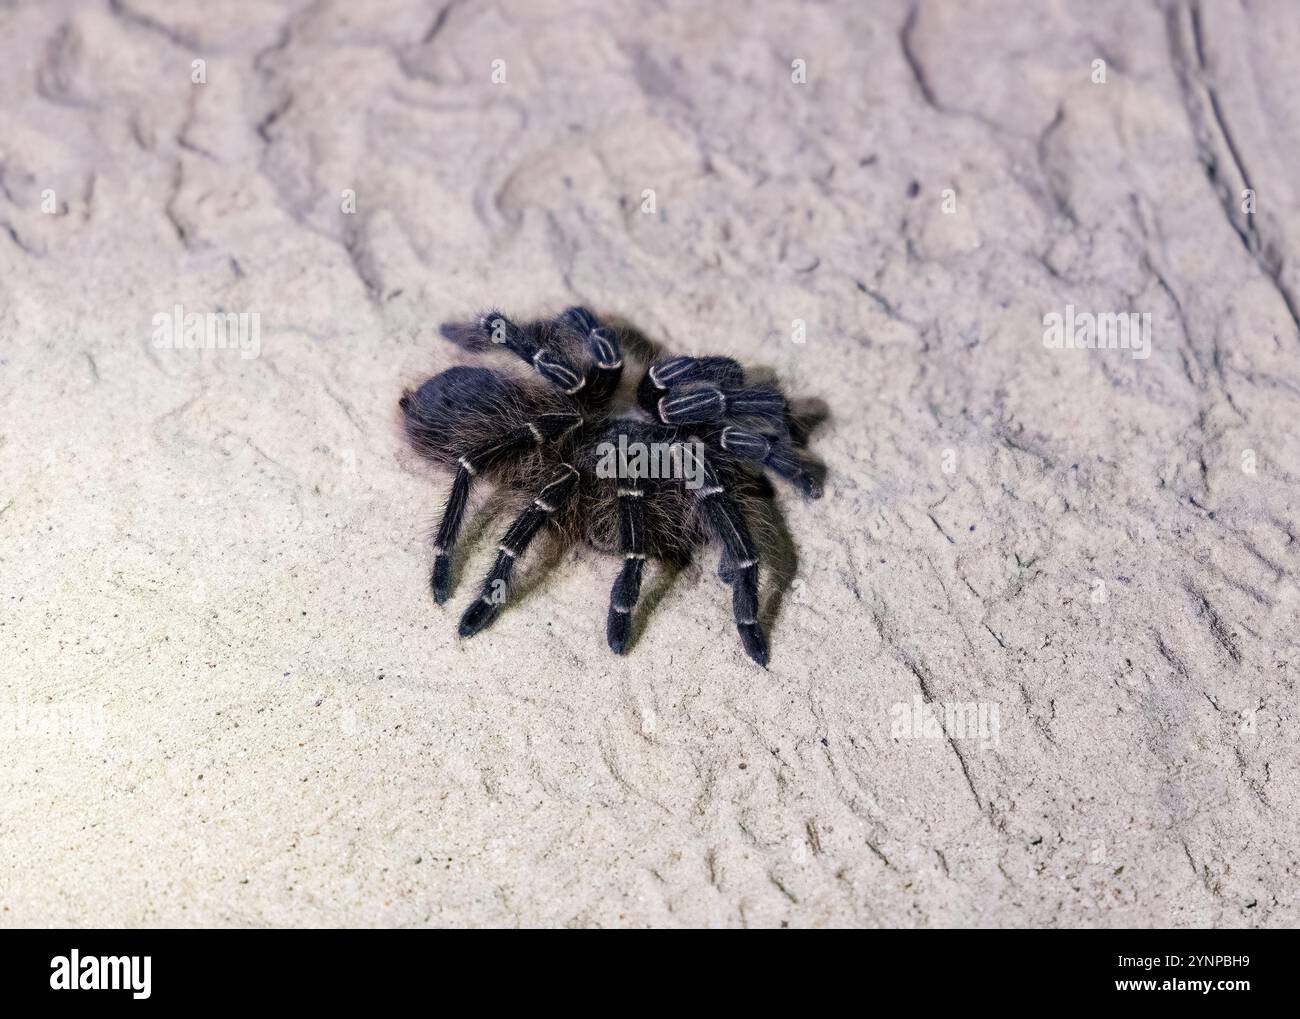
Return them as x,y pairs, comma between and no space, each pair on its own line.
697,434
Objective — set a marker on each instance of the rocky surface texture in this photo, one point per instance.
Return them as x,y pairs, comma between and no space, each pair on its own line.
1034,660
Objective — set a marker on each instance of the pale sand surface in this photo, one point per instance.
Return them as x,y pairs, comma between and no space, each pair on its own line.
228,698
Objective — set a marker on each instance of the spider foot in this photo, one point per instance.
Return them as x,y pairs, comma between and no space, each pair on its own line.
755,641
440,582
480,613
809,484
618,630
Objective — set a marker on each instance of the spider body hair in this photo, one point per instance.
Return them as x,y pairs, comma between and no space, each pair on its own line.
452,413
548,440
674,528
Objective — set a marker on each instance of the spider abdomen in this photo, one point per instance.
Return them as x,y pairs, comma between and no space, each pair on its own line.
464,408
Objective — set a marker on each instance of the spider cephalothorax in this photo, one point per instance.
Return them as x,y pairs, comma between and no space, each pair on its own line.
658,478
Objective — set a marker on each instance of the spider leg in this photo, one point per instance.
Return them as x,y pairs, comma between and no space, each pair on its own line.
680,371
740,555
551,366
627,587
514,543
776,453
721,403
540,428
604,348
709,404
726,568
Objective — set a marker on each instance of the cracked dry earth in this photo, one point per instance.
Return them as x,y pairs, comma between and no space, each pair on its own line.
229,698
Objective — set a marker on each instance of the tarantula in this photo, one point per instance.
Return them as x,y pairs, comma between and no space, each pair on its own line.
550,438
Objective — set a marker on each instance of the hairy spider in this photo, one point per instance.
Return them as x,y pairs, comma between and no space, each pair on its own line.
588,469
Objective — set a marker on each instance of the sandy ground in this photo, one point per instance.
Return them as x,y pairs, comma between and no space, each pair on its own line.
1035,663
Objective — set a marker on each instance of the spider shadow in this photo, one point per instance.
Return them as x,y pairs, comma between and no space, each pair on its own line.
781,559
805,416
636,344
491,518
538,570
665,577
473,534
